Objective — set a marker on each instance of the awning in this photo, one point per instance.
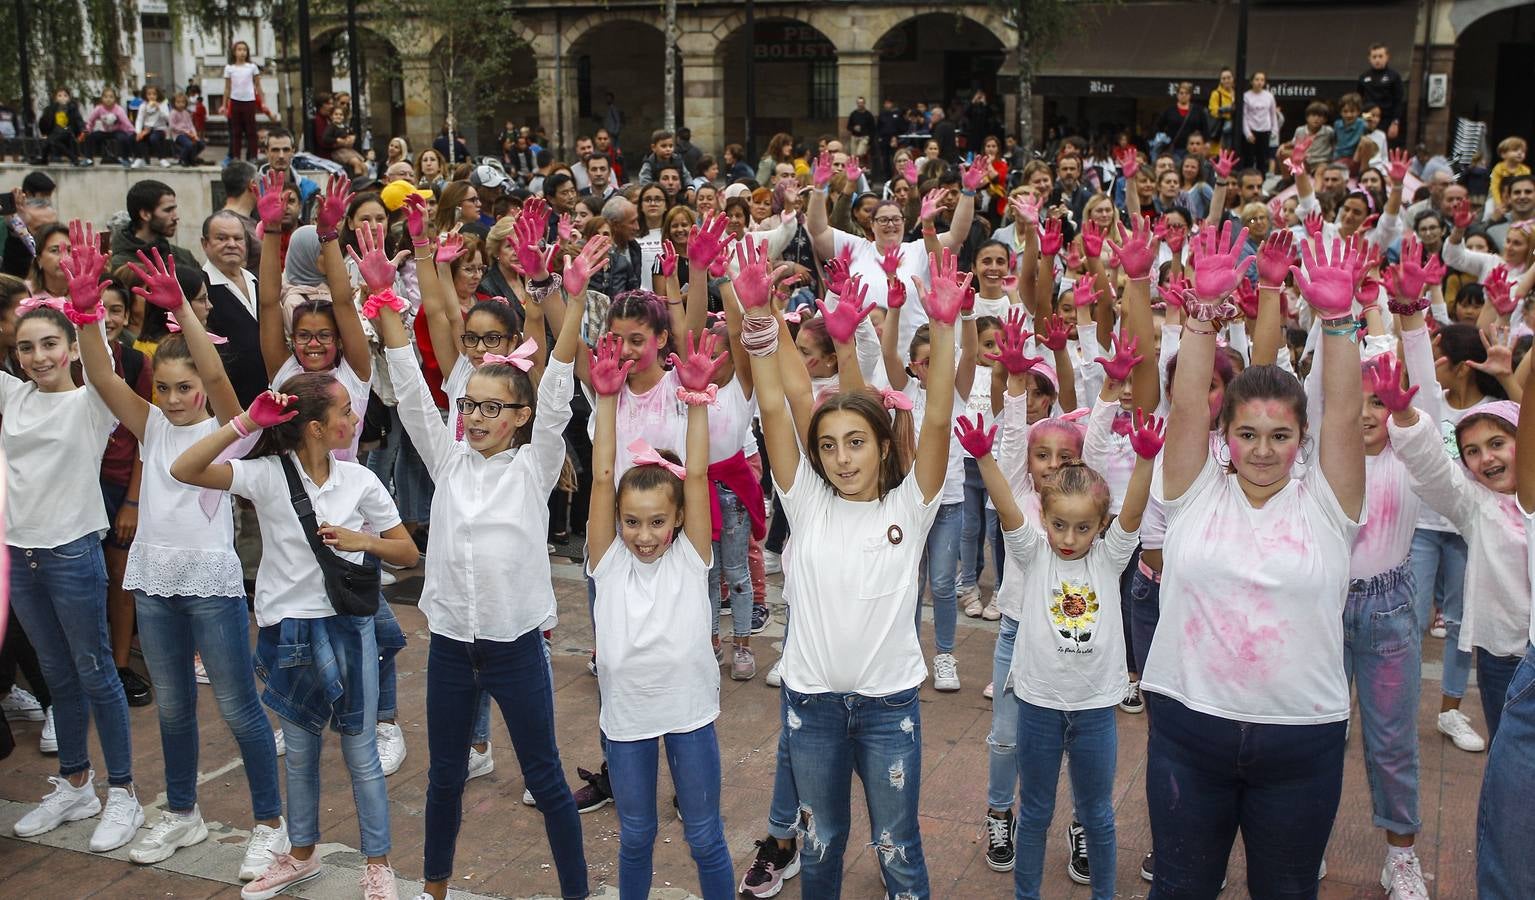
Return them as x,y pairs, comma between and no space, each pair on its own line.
1135,49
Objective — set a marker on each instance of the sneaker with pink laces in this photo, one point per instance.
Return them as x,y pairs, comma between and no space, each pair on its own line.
284,872
378,883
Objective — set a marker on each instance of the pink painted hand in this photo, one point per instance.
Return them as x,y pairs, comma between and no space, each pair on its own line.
1146,434
1050,237
837,270
1129,162
1125,359
1057,332
536,212
1246,298
609,371
975,437
269,202
1297,161
1135,252
415,216
853,171
1313,225
851,309
895,294
932,203
1367,291
1463,216
1218,262
83,266
909,172
378,270
1400,160
1012,344
449,246
332,209
533,258
157,277
1275,256
1173,234
1414,273
1176,288
567,229
1385,381
1085,293
579,270
1025,209
821,172
705,241
949,289
1092,239
271,408
702,360
1499,290
889,261
974,176
754,283
1327,284
668,260
1224,163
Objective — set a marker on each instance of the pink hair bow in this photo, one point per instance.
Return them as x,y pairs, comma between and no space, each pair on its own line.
39,301
793,318
890,398
380,300
522,357
174,327
643,454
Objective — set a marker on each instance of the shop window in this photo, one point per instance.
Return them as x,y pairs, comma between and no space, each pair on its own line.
823,89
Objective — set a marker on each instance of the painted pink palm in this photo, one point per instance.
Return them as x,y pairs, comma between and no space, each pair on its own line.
1050,237
1218,262
837,270
1012,344
83,267
157,279
950,290
332,209
271,408
377,269
1275,256
1124,360
1136,251
706,240
579,270
1057,332
701,361
1385,382
609,371
269,202
851,309
975,437
1326,283
1146,434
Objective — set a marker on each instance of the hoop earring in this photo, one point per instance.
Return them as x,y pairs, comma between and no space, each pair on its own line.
1222,455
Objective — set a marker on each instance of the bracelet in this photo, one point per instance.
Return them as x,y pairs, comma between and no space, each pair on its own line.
759,335
1190,328
698,398
1338,322
929,231
1270,287
967,315
966,192
327,236
1351,332
238,427
421,241
1405,308
1146,278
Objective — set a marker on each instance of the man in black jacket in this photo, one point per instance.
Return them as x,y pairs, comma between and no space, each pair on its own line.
233,303
1382,86
861,126
624,260
891,124
61,126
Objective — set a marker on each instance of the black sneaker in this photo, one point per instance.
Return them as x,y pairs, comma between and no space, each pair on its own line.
773,866
1147,870
135,688
596,793
1000,854
760,617
1133,703
677,807
1076,835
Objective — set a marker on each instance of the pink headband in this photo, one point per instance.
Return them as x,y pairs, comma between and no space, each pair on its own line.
39,301
643,454
174,327
1507,410
1048,371
522,357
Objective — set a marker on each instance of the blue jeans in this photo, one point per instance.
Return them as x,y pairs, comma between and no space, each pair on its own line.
1002,742
833,735
412,485
980,526
1493,676
1088,739
1145,600
783,809
187,148
1206,777
171,630
481,733
937,572
1505,818
60,597
1383,650
360,751
730,564
381,459
1439,570
694,760
516,674
390,640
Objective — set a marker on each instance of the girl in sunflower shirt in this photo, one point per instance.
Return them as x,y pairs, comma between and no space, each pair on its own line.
1069,657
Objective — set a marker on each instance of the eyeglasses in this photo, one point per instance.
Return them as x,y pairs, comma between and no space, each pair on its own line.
488,408
889,220
473,271
490,340
307,337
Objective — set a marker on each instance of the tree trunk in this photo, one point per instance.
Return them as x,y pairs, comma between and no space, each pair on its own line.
670,86
1025,82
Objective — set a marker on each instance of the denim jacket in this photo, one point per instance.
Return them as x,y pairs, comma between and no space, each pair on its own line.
305,683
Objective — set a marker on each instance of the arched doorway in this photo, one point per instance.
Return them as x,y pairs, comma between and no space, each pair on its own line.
796,81
484,103
1494,68
940,58
383,93
620,64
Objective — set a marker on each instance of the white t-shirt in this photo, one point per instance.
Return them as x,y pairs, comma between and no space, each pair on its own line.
650,251
730,423
1109,454
1011,450
53,446
1252,601
655,665
866,263
954,475
1070,650
853,577
356,392
289,583
656,415
179,550
1385,539
1529,558
242,80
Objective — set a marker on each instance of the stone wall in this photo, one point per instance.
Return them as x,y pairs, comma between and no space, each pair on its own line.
96,193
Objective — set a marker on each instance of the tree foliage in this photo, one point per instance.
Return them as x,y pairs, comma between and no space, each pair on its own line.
75,44
1042,26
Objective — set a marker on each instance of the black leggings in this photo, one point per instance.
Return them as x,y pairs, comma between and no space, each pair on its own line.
15,652
242,124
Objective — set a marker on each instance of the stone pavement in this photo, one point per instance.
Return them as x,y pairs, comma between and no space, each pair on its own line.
502,850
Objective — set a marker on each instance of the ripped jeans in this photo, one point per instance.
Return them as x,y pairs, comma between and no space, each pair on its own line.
831,736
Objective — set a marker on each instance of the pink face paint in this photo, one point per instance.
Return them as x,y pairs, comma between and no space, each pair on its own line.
647,357
197,399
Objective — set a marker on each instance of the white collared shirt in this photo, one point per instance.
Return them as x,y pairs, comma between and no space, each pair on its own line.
245,291
491,580
289,583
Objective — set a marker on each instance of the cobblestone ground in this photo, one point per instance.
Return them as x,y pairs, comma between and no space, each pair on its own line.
502,850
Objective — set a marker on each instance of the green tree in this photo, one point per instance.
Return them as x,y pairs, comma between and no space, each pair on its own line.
1042,25
73,44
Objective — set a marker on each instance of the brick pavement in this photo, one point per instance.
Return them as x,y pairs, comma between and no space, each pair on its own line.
502,850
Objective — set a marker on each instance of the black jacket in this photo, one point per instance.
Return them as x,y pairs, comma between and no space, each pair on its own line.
623,272
860,123
1384,88
229,318
46,122
1178,128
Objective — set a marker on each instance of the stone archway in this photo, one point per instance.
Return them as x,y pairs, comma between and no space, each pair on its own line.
624,58
796,79
1494,65
383,87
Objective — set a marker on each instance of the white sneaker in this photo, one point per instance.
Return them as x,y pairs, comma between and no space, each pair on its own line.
165,163
49,742
66,803
968,595
774,677
1454,724
263,848
945,672
391,747
991,613
527,798
137,164
20,704
280,741
386,578
170,834
122,817
1403,878
480,763
378,883
772,563
199,672
990,690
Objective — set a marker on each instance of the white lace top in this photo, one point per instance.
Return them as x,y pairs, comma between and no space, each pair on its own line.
180,551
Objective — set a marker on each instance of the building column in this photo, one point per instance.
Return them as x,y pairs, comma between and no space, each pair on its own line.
703,101
857,76
557,101
1431,126
422,119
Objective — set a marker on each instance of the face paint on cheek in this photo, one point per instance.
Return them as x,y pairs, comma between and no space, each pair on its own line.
197,400
647,357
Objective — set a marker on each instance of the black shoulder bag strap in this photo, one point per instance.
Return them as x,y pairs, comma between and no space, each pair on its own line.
345,581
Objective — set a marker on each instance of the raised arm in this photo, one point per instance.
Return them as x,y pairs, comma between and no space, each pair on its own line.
1223,165
1328,285
1146,438
761,334
706,241
696,372
821,232
841,326
608,377
972,179
196,465
948,295
1275,257
1135,256
890,338
354,341
1050,239
274,338
1524,466
83,266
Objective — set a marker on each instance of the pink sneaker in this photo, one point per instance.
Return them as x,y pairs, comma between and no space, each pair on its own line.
378,883
284,872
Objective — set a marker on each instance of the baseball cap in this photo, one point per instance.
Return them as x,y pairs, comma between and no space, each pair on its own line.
489,177
395,192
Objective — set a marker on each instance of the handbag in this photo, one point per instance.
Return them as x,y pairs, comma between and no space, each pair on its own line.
352,588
